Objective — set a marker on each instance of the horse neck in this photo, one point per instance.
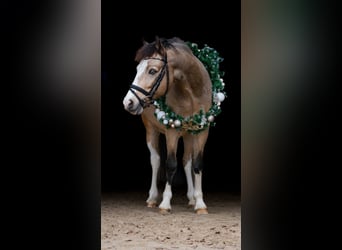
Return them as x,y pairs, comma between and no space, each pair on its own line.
190,90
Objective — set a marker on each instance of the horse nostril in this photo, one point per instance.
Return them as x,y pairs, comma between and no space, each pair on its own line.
130,104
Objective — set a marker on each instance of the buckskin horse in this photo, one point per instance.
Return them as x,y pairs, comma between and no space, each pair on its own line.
178,94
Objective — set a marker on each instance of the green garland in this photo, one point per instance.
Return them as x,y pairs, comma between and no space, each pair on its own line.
202,120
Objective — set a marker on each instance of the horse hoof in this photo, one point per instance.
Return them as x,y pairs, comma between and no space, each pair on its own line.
164,211
202,211
151,204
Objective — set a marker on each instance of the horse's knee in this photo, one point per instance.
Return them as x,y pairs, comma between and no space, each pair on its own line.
198,164
171,168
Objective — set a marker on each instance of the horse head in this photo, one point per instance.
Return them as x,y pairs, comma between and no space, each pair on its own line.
152,77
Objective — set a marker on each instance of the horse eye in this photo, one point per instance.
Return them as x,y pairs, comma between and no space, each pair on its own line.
152,71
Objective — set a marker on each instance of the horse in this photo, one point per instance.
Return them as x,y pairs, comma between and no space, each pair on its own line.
173,92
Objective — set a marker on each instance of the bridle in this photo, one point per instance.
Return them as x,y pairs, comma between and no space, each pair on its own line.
148,99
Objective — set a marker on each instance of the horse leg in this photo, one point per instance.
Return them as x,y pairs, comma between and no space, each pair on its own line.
187,164
200,206
171,168
199,141
152,138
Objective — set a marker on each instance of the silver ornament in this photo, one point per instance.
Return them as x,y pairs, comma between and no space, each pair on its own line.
220,97
177,123
160,114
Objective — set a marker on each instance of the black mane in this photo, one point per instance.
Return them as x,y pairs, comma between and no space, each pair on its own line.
159,46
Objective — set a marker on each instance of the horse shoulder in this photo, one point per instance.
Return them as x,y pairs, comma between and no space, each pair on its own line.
150,122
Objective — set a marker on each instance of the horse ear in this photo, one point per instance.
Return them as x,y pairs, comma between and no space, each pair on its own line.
159,45
144,42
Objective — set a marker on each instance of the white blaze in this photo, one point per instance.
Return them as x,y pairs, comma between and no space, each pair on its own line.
130,97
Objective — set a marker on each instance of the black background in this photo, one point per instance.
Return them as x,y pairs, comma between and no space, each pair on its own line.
125,157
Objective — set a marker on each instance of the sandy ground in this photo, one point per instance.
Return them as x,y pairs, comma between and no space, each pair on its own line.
126,223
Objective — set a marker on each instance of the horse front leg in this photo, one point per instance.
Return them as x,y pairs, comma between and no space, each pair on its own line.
187,164
200,206
171,168
152,144
189,181
198,147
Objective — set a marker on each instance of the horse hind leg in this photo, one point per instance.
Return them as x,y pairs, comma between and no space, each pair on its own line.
195,144
200,206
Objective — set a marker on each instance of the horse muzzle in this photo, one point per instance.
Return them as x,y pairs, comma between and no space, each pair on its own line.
132,105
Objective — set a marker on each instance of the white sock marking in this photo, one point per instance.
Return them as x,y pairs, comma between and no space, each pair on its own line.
167,195
190,183
155,163
198,192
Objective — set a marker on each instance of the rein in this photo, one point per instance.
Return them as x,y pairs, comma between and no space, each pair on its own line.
148,99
